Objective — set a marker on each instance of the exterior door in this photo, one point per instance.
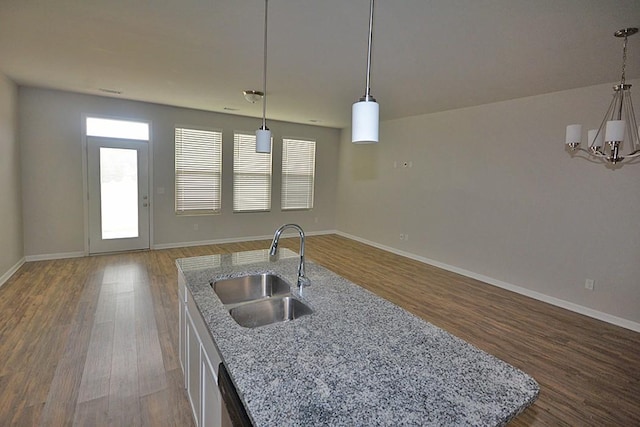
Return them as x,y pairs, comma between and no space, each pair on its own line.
118,175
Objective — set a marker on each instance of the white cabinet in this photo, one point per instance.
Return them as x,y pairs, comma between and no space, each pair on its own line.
182,332
210,401
192,368
199,359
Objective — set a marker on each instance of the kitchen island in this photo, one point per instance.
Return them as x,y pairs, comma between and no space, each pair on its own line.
356,360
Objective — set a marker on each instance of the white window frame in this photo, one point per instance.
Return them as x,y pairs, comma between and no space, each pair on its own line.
117,128
298,174
198,170
252,174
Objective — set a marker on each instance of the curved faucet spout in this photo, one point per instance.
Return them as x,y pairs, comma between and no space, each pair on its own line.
302,278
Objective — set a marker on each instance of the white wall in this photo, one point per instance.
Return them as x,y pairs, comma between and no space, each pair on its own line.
493,192
51,139
11,242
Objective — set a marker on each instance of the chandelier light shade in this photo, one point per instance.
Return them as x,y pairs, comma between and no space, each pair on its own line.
595,139
263,135
365,113
619,126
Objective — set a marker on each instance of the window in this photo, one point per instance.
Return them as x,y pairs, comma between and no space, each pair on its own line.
111,128
298,173
251,175
198,171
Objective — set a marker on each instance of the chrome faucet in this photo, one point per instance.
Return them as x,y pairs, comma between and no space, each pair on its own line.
302,279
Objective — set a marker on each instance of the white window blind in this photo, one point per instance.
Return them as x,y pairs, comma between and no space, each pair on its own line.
298,173
251,175
198,171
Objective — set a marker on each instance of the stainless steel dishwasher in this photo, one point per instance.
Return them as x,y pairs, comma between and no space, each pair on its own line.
233,412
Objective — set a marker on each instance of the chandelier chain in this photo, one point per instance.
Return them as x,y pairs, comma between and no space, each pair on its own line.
624,60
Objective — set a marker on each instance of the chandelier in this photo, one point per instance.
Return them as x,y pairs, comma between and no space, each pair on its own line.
619,124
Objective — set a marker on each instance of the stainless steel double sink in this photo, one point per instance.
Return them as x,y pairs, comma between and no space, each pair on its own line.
259,299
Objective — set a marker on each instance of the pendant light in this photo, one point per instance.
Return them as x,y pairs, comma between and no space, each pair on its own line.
263,135
365,113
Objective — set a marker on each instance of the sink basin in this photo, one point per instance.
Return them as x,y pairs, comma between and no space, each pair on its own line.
259,299
249,288
269,311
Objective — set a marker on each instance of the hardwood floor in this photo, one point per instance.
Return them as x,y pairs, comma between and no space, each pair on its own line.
93,341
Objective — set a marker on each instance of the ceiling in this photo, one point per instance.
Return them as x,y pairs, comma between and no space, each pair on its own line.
428,55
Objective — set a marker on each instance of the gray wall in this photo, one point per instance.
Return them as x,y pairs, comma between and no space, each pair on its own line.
51,139
491,191
11,243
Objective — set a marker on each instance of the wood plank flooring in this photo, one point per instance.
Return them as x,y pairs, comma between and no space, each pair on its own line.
93,341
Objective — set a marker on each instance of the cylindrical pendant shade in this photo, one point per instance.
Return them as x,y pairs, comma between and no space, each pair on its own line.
365,122
574,134
595,139
615,130
263,141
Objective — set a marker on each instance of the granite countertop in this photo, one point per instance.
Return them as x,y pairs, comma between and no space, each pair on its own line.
357,360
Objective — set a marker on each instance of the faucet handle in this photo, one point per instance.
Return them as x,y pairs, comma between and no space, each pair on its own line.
303,281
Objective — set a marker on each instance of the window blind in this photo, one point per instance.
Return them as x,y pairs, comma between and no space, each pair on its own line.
198,171
298,173
251,175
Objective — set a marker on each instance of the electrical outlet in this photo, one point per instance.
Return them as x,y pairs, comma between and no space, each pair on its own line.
406,236
589,283
195,226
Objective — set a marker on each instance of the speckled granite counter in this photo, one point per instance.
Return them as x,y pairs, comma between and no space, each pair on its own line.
357,360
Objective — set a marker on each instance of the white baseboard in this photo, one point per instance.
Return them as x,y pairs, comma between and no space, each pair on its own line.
605,317
60,255
6,276
234,240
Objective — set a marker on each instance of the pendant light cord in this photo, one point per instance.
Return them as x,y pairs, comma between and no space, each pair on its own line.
264,74
367,93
